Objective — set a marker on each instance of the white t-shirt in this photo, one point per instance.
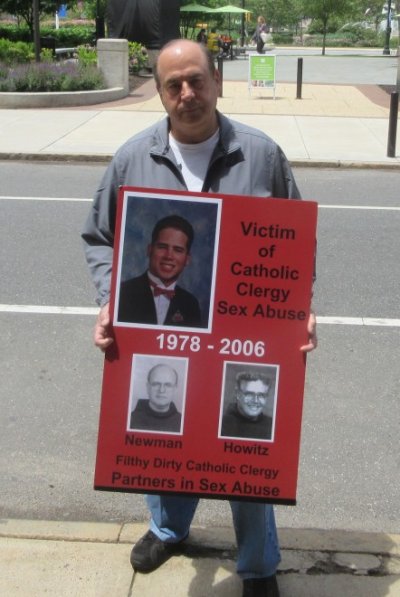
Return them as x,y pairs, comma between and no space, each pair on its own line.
193,159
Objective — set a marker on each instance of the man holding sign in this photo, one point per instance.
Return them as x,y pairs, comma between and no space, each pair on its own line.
197,149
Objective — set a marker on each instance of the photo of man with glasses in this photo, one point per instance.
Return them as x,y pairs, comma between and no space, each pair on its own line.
249,415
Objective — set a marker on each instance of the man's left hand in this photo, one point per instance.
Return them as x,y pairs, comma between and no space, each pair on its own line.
312,334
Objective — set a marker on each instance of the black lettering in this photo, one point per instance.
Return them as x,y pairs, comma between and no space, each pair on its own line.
245,488
270,231
206,485
225,308
268,312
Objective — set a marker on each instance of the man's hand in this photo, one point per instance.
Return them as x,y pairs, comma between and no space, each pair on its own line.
102,336
312,334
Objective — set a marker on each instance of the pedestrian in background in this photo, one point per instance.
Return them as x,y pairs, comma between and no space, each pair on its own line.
213,42
260,34
202,37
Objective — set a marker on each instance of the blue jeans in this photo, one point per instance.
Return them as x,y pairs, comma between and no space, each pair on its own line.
254,525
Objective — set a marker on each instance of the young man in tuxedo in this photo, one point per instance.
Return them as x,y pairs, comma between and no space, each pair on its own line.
154,297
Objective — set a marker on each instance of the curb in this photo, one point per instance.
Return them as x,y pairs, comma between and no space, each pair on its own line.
63,99
215,539
341,558
105,158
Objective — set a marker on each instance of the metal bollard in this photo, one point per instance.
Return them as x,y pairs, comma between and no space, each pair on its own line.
220,62
394,110
299,77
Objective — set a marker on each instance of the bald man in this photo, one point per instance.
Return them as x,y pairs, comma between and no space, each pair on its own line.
158,412
195,148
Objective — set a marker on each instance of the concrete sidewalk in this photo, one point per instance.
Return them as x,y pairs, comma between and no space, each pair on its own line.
92,559
332,125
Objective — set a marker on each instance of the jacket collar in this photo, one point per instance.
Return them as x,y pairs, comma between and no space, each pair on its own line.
227,144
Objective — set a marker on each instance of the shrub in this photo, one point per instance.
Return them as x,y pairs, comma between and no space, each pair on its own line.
282,38
35,78
89,78
316,25
343,39
138,57
86,55
50,77
15,32
394,41
15,52
71,36
46,55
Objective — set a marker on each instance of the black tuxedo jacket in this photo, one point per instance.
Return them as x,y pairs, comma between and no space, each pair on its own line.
136,305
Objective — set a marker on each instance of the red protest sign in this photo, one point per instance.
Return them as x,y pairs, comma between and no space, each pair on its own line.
203,385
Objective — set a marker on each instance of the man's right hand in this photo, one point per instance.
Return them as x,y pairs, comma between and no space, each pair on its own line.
102,335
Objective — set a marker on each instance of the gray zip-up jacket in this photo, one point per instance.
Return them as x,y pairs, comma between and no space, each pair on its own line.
245,162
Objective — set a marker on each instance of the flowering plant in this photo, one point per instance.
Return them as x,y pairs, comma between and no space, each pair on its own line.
138,57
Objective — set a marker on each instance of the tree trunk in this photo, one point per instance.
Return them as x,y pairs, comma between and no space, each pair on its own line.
36,29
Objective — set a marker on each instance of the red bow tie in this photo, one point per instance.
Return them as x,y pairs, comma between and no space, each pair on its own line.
157,291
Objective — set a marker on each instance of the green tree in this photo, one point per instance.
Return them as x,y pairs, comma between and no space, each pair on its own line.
277,13
23,9
371,10
324,10
283,13
95,8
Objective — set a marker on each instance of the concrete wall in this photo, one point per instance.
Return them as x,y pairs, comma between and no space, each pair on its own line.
59,99
112,59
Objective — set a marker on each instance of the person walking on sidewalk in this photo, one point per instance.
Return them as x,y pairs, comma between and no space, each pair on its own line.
232,159
260,34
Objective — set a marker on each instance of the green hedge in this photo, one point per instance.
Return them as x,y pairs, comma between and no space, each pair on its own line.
15,33
69,36
330,42
345,39
282,38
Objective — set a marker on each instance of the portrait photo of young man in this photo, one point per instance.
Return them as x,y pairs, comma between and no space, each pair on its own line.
167,264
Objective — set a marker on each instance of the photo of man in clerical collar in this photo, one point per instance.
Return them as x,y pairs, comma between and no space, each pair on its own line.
249,407
157,394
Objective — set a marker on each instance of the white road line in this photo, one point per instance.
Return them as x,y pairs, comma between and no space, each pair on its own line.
71,199
53,310
86,200
365,207
48,310
366,321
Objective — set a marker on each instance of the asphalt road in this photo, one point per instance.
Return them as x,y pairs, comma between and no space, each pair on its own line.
52,374
337,68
